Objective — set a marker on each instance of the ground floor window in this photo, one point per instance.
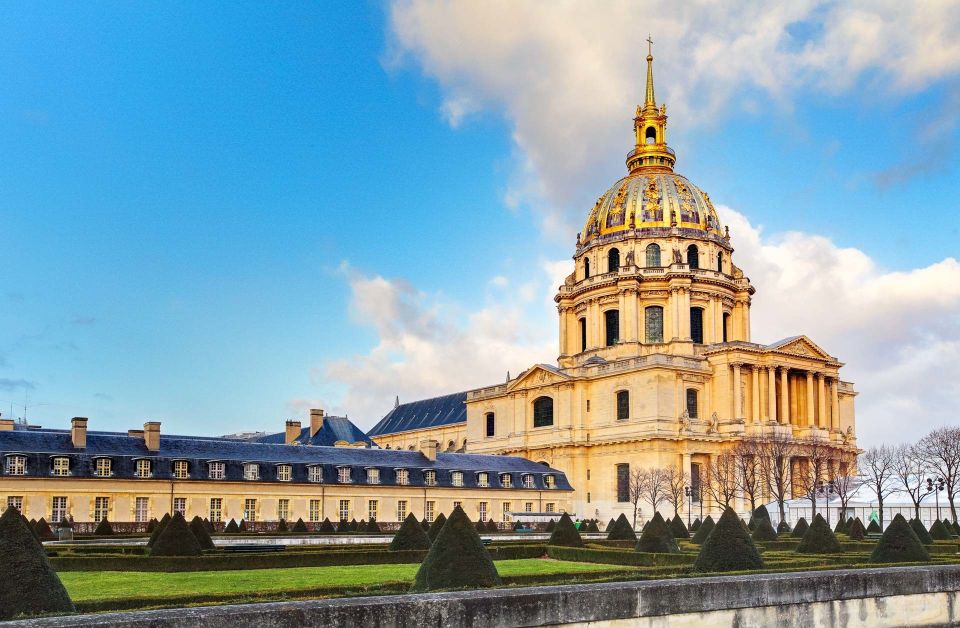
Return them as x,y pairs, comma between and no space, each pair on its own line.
101,508
58,509
528,507
344,510
429,511
623,483
250,509
216,509
141,511
458,505
372,508
506,511
180,505
551,507
283,509
401,510
15,501
483,511
314,510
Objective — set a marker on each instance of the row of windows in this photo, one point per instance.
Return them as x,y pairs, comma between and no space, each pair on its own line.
653,259
624,479
652,326
543,407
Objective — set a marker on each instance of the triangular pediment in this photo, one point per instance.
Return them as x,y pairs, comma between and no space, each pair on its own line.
802,346
538,375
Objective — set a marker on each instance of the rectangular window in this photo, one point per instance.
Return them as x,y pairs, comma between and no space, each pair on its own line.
344,510
250,509
695,482
583,334
315,473
403,477
58,509
456,478
401,510
550,481
284,472
372,510
343,475
283,509
373,476
623,405
528,480
143,469
528,507
61,466
251,471
483,511
491,424
102,467
653,324
696,325
180,505
430,478
482,479
612,320
101,508
16,465
141,510
216,509
429,511
181,469
550,507
15,501
314,510
218,470
623,483
506,511
692,403
506,480
726,325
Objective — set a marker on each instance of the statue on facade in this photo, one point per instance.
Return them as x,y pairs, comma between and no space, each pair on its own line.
847,436
677,255
629,259
685,422
714,426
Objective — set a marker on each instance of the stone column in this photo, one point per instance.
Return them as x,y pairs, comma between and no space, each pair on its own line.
810,407
684,312
563,331
737,398
835,404
755,393
595,336
784,396
822,402
674,313
772,393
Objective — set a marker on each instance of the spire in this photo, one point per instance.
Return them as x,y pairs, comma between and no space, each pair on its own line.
650,100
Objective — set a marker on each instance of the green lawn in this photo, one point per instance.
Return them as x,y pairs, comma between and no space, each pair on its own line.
103,586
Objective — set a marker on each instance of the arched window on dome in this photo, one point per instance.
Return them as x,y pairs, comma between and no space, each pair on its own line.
726,325
586,267
653,256
612,320
543,412
651,135
720,262
693,256
613,260
653,324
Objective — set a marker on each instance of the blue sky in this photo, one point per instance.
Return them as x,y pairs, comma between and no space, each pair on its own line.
193,195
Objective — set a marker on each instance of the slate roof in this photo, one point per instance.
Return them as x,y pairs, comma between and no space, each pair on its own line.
41,445
418,415
333,430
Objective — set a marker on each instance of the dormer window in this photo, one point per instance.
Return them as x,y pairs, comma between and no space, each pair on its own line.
403,477
343,475
456,478
527,480
506,480
103,467
144,469
218,470
61,466
550,481
483,479
284,472
430,477
16,465
315,473
373,476
181,469
251,471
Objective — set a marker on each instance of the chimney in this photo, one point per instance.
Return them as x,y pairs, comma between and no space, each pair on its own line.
151,435
78,432
429,449
135,434
6,425
316,421
293,432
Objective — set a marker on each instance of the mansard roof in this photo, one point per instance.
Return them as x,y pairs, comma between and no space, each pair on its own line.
422,414
335,429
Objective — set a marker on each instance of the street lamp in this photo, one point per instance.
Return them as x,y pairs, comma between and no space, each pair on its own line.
826,490
689,493
938,487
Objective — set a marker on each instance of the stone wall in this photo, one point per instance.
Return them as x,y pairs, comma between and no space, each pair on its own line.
892,596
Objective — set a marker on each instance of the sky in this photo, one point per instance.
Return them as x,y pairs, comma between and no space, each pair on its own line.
219,215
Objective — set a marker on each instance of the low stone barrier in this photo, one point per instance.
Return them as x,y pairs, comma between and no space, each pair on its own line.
891,596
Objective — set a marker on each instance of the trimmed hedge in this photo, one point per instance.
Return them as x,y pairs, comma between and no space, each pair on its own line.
760,512
343,527
801,528
819,539
764,530
657,537
103,528
551,525
457,560
44,531
159,529
300,527
678,528
728,548
874,527
200,532
612,523
956,528
326,527
783,527
704,530
856,531
281,526
899,544
436,526
373,527
151,525
921,532
695,525
176,539
622,530
30,585
565,533
616,557
938,532
410,536
232,527
492,526
242,525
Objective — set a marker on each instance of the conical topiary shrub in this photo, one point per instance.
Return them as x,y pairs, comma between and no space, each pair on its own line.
151,525
921,532
728,548
362,527
783,527
326,527
763,531
373,527
354,526
176,539
492,526
480,527
704,530
44,531
282,526
551,525
209,526
343,526
457,560
200,531
657,537
410,536
30,585
300,527
436,526
760,512
622,530
565,533
938,532
678,528
103,528
856,531
801,528
232,527
956,528
819,539
594,526
158,529
874,527
695,525
899,544
610,525
426,524
242,526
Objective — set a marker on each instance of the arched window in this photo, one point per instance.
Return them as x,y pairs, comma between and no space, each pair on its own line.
583,334
613,260
651,136
451,446
726,325
586,267
491,424
719,262
623,405
612,320
696,325
543,412
692,402
693,256
653,324
653,256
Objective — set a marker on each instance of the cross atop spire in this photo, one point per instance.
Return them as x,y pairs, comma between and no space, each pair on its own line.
649,45
650,100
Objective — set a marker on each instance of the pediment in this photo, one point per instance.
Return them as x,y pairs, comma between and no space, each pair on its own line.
538,375
802,346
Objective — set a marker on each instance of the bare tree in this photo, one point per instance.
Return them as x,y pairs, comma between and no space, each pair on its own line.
941,449
813,471
909,466
722,479
648,485
637,490
774,452
843,471
747,471
878,469
675,480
